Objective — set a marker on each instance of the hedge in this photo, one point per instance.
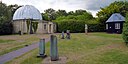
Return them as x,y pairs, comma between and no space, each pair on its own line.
125,30
6,28
77,26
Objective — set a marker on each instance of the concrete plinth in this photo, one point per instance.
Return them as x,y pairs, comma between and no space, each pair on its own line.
62,60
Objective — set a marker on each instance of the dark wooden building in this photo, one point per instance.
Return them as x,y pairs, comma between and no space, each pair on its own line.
115,23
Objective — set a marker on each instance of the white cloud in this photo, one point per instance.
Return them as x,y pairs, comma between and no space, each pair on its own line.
69,5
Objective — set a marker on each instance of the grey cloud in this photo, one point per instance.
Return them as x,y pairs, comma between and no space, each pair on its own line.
69,5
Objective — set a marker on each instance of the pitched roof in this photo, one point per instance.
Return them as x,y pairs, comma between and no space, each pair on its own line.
116,17
27,12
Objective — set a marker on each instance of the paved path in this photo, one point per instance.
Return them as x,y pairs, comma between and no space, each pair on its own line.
9,56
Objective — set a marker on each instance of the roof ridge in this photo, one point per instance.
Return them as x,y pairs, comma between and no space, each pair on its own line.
116,17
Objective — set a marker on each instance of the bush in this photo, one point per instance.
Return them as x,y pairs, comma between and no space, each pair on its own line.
125,30
6,28
96,28
72,25
77,26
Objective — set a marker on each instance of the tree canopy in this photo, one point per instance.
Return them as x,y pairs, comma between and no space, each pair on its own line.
6,13
115,7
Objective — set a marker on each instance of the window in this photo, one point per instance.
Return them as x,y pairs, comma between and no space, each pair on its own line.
44,26
117,25
106,26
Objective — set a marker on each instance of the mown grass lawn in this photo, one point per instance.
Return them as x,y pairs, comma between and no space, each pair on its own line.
94,48
10,43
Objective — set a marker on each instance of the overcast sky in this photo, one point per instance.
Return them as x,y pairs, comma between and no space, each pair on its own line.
69,5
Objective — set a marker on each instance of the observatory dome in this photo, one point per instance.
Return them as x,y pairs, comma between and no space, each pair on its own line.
27,12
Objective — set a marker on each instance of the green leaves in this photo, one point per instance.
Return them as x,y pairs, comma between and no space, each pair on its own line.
35,26
74,21
125,30
72,25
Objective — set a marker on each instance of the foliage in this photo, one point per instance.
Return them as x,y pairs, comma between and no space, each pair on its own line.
35,26
61,13
73,20
125,30
6,13
6,28
49,14
72,25
28,24
115,7
76,22
95,28
79,25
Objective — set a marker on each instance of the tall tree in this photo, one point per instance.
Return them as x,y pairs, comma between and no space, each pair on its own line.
50,13
6,14
61,13
13,8
115,7
80,12
5,18
70,13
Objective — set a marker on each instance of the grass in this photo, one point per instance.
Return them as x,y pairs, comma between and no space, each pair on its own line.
94,48
113,57
14,42
6,41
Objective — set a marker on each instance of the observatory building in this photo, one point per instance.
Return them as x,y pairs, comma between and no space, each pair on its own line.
28,19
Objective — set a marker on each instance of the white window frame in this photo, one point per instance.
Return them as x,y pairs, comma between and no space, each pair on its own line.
106,26
117,25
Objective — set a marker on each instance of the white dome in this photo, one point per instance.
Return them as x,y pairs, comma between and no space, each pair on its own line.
27,12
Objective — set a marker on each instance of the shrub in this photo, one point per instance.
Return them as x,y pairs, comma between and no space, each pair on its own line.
6,28
77,26
96,28
72,25
125,30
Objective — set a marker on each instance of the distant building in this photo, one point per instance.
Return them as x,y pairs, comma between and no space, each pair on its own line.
28,19
115,23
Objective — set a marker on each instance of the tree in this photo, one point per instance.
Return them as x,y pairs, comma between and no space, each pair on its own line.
61,13
50,13
45,16
82,16
125,30
115,7
71,13
80,12
6,14
5,17
75,21
13,8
